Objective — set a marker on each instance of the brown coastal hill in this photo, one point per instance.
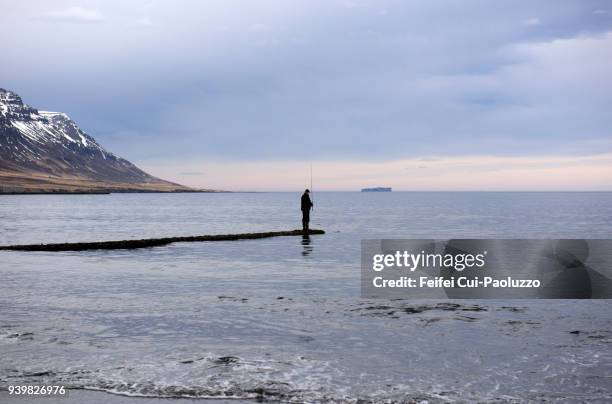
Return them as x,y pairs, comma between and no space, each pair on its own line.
46,152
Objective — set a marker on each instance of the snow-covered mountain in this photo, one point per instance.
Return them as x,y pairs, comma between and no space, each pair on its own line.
42,146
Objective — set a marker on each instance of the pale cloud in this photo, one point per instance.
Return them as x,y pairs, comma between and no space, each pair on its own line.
259,27
144,21
532,21
542,100
77,14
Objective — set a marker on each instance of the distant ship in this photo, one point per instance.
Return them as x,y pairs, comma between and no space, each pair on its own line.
377,189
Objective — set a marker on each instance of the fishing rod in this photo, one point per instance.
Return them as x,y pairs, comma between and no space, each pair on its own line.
311,190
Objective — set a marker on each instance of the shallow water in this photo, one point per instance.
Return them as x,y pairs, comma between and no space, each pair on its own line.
282,318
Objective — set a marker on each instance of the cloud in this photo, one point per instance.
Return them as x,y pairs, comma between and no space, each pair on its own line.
258,27
77,14
602,12
144,21
532,22
322,80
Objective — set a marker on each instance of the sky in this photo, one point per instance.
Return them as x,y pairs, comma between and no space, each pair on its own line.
246,95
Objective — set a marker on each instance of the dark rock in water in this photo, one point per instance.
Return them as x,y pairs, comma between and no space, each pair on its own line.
25,335
188,361
151,242
413,310
37,374
225,360
233,299
513,309
386,310
465,318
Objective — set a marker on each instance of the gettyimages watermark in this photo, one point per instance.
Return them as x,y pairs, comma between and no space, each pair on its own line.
486,269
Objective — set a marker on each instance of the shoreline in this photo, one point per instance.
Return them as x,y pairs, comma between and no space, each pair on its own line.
78,396
135,191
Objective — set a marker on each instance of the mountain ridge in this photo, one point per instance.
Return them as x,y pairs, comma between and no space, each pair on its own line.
47,152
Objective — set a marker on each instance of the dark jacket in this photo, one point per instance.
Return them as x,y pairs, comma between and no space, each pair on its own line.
306,202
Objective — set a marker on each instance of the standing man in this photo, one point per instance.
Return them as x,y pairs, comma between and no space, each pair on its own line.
306,206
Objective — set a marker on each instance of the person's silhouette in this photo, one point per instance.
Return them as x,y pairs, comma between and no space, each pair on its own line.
306,206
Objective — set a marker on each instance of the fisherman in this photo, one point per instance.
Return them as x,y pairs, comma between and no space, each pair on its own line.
306,206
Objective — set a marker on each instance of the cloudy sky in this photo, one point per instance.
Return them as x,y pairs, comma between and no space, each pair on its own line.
244,95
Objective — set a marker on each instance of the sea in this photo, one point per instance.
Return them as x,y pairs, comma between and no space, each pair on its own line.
282,319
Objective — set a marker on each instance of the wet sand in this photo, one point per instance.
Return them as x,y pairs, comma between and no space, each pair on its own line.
99,397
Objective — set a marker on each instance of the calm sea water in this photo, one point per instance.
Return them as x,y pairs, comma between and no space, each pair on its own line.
282,318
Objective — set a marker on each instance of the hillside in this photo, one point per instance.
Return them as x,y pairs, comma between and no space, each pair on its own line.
42,151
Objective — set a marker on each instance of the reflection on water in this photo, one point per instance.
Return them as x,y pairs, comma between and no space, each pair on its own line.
307,245
256,319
